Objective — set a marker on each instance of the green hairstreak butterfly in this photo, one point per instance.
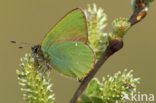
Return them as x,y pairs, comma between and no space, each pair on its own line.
65,47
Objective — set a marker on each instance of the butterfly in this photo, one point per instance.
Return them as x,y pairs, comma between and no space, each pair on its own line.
65,46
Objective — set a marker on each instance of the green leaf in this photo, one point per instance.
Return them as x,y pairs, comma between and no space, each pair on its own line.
93,86
84,99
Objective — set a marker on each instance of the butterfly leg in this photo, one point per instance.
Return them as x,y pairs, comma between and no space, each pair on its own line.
45,66
48,68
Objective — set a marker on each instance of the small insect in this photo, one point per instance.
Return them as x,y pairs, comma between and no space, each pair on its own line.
65,48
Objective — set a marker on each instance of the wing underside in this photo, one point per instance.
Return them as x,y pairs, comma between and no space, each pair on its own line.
71,58
72,27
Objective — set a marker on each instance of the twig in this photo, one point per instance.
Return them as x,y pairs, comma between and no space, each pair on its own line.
138,14
114,46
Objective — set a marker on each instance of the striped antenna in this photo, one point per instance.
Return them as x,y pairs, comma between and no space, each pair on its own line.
24,44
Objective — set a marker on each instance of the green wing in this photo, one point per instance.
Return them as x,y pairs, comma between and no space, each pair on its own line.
72,27
71,58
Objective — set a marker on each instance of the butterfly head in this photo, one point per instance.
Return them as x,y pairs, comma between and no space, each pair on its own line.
36,49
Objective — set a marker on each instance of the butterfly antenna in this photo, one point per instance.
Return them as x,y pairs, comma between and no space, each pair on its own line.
25,45
14,42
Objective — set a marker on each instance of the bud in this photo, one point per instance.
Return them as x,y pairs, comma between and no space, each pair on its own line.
120,26
115,45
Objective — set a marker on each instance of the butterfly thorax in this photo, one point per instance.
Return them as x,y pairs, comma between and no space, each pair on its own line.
38,53
42,58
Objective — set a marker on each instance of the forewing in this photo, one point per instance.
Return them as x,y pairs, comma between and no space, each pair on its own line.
71,58
72,27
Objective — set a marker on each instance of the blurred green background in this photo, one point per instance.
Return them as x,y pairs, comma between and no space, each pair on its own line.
29,20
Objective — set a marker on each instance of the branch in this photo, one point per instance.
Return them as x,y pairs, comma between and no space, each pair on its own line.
114,46
138,13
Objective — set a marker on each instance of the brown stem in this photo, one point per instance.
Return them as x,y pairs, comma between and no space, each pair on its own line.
138,14
114,46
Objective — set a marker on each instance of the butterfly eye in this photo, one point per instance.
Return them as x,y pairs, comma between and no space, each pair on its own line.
35,49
